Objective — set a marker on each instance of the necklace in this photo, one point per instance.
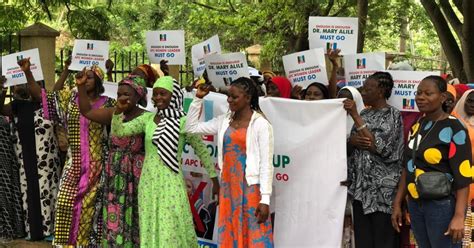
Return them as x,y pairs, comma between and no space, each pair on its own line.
431,128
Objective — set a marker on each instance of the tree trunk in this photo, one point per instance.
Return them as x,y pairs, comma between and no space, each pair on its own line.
446,37
362,12
468,39
404,34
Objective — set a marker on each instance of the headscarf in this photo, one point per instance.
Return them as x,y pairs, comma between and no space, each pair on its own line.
460,112
166,135
452,90
460,89
321,87
468,121
283,85
150,72
359,105
98,72
138,84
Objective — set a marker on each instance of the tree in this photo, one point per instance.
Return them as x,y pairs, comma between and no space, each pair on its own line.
455,36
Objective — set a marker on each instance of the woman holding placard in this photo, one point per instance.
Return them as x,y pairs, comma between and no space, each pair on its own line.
165,213
374,165
38,155
245,150
438,171
78,210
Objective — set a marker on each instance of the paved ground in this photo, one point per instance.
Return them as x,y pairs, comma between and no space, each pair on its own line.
21,243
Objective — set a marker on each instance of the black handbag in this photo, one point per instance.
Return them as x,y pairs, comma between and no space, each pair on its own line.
431,185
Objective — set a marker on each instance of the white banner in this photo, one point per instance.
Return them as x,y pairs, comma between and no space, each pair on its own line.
166,45
87,53
357,67
306,67
310,202
222,69
333,32
201,50
12,71
404,88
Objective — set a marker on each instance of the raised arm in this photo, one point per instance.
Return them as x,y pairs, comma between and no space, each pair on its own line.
109,65
33,87
193,125
59,85
332,87
101,115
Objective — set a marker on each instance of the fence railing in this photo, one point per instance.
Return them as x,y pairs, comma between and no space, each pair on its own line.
125,62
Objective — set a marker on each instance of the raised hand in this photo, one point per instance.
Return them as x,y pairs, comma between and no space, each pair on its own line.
24,64
164,67
81,77
203,90
333,55
109,65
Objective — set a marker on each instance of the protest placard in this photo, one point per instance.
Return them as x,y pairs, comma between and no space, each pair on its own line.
201,50
222,69
166,45
333,33
306,67
357,67
87,53
404,88
12,71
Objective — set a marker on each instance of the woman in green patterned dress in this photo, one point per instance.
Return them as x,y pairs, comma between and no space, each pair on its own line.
165,214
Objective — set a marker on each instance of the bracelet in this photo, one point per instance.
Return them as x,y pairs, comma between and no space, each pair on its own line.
361,127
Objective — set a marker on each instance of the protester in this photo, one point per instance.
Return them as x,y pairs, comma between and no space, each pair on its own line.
451,99
438,143
11,209
165,214
375,163
245,145
123,166
147,72
38,155
279,87
318,91
78,208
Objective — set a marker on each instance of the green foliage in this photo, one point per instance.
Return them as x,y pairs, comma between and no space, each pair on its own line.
280,26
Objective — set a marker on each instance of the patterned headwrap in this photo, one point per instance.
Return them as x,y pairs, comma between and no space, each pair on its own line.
139,85
166,135
150,72
98,72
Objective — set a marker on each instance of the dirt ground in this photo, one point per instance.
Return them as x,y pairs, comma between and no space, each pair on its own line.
21,243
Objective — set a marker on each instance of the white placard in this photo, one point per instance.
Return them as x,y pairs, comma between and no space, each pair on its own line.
166,45
333,32
87,53
201,50
12,71
404,88
357,67
306,67
222,69
307,180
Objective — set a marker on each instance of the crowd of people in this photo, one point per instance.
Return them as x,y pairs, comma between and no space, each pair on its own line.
83,169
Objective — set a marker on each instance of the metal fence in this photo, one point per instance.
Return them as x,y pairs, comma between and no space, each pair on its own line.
125,62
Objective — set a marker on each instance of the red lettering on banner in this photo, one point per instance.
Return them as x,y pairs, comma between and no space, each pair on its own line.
192,200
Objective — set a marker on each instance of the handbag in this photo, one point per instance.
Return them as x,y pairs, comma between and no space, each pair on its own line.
431,185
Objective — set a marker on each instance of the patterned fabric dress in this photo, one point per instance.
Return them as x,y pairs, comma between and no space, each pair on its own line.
238,201
78,212
38,153
122,174
165,213
11,215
